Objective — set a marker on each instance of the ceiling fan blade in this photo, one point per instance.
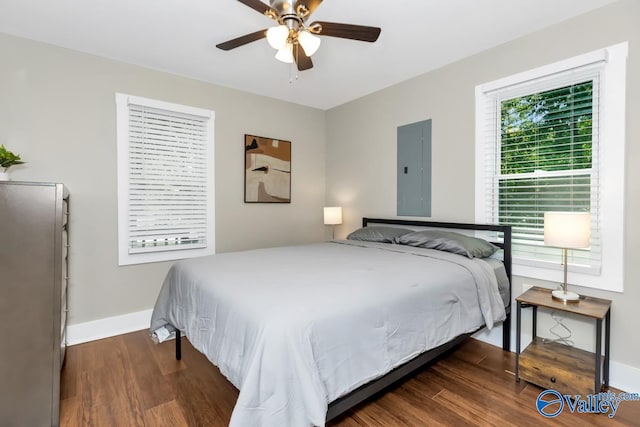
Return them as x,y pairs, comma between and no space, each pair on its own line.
310,4
348,31
303,61
242,40
258,6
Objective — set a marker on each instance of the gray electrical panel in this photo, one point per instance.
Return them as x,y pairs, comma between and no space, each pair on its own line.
414,169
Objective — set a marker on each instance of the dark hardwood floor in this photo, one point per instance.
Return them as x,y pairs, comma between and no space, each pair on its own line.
130,381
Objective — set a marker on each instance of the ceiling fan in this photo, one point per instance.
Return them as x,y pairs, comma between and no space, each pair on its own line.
293,38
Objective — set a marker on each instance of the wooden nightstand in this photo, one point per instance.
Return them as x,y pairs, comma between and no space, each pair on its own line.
560,367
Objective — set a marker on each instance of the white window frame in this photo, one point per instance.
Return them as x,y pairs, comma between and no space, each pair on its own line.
611,167
123,101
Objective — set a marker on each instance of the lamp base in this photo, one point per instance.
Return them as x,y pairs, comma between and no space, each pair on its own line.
563,296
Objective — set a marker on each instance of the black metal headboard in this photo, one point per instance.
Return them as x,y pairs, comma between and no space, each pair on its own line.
505,244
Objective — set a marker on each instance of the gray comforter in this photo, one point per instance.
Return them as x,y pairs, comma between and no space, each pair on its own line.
294,328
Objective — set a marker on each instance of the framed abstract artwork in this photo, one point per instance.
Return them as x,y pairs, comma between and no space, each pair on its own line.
267,170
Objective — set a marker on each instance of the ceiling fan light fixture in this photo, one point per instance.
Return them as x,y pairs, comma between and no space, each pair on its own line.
277,36
309,42
291,32
285,54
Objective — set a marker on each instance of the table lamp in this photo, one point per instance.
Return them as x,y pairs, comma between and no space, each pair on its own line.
567,230
332,217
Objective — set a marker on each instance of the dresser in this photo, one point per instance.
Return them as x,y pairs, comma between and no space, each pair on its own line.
33,301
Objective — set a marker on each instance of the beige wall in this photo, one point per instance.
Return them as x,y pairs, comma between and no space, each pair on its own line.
57,110
361,146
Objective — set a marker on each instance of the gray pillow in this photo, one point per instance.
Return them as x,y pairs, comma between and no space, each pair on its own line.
448,241
378,234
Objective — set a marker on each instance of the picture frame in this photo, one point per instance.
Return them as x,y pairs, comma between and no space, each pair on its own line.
267,170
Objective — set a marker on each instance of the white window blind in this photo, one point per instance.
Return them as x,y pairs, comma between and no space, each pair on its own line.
552,139
543,142
165,178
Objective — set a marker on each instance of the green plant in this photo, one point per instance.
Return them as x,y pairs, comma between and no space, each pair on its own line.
8,159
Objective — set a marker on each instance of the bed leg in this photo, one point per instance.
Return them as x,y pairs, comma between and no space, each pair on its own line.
178,345
506,333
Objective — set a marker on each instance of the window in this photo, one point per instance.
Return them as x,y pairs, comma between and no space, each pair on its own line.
165,181
552,139
546,145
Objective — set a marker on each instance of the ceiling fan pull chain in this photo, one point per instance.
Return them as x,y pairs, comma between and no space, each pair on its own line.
293,67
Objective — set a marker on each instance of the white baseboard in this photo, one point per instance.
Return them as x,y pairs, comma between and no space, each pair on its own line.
624,377
493,336
108,327
621,376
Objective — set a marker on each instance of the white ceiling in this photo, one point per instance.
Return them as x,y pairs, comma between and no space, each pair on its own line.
179,36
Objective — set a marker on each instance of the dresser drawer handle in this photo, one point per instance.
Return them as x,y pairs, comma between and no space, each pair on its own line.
553,380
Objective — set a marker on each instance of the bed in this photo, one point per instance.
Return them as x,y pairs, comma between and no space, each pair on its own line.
307,332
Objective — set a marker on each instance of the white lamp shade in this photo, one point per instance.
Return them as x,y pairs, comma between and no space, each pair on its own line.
285,54
333,215
309,42
277,36
567,229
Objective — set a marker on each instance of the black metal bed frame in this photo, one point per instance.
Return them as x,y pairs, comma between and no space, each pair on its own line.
350,400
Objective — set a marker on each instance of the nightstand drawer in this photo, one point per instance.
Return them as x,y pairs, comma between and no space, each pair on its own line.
568,370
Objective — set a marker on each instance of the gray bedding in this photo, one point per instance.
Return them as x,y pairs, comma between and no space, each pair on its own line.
295,328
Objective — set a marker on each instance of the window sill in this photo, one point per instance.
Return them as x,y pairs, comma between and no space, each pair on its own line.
607,282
